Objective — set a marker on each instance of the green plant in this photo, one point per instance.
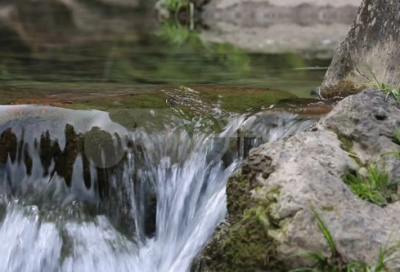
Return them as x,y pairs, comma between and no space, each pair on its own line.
397,134
177,34
337,262
174,5
375,187
389,90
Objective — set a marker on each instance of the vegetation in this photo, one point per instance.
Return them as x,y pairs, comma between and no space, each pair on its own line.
375,187
397,133
337,262
175,5
246,245
389,90
173,32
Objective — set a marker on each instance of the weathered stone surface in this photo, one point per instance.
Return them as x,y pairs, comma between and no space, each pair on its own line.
366,122
284,178
372,41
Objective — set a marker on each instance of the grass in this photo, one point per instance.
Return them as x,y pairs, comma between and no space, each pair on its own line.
389,90
175,7
337,261
375,187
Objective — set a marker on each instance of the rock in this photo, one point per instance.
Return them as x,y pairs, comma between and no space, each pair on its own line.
269,205
69,23
306,106
372,42
121,3
366,124
274,26
47,164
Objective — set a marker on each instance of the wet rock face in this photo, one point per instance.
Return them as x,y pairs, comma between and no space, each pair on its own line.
50,172
285,177
372,41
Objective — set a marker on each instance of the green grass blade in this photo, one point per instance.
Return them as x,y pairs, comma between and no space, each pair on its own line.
325,231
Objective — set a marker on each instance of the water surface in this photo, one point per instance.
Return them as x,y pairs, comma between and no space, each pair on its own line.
81,45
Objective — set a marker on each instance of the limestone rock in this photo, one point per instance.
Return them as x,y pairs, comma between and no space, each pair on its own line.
366,122
307,169
372,42
284,178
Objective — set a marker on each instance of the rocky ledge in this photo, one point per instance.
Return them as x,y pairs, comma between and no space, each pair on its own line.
269,216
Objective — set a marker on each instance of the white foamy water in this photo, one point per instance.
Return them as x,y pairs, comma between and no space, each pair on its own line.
175,176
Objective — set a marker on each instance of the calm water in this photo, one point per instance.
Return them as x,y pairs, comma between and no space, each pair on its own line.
81,45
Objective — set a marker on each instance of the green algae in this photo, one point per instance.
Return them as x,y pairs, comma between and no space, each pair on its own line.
229,99
327,208
346,143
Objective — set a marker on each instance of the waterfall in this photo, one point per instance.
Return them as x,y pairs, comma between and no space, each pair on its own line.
134,201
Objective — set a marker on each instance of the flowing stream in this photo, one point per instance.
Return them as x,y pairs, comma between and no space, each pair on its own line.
149,204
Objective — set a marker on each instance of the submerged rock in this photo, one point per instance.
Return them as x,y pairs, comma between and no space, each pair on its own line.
371,44
51,157
309,28
269,217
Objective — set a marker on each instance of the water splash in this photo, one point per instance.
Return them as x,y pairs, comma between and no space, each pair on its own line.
152,210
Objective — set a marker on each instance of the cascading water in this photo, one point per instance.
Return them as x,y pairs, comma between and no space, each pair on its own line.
148,204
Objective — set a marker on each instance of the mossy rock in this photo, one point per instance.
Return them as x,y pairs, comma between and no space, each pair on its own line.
242,244
343,89
191,100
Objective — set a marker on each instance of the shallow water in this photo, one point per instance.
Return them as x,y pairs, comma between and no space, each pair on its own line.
125,180
82,47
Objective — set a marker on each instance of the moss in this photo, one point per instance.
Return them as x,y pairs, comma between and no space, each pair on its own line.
247,248
327,208
343,89
238,192
231,99
240,99
247,245
347,144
